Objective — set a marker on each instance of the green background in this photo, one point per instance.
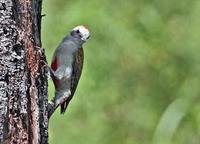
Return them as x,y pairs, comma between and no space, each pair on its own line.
141,77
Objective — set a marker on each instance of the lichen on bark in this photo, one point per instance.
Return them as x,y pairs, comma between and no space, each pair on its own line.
23,78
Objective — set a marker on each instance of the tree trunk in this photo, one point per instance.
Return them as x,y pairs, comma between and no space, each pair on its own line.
23,75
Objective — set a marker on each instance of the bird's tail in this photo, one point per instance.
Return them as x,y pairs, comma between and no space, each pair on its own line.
64,106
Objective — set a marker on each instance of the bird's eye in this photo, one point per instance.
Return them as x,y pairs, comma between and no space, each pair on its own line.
78,31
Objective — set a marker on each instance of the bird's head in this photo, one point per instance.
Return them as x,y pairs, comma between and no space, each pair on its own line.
81,32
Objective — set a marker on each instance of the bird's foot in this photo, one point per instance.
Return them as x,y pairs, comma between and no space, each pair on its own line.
47,67
51,108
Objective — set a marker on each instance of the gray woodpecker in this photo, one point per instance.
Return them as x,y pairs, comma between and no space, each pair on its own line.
66,67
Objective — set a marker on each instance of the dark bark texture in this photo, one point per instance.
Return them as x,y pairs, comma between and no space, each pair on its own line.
23,75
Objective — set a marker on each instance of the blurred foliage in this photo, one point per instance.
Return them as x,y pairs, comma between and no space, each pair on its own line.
141,76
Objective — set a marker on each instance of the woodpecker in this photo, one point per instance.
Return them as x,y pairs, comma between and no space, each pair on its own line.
66,67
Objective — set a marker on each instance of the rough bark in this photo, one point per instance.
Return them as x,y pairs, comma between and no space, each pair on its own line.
23,78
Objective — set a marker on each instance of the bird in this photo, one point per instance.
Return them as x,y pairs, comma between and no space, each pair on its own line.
66,67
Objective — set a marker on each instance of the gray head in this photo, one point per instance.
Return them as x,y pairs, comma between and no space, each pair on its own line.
81,32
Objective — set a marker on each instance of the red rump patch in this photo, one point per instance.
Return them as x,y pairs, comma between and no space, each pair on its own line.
55,63
54,66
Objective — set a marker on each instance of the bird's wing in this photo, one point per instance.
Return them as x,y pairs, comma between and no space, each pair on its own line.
76,73
54,67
